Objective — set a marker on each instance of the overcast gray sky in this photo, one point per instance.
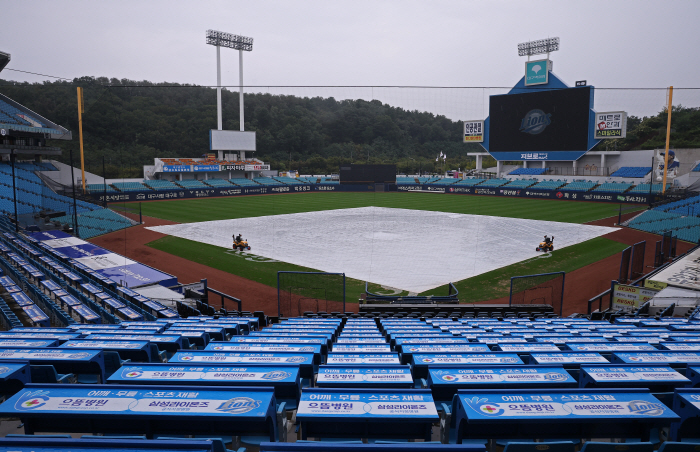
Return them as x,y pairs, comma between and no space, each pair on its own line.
428,43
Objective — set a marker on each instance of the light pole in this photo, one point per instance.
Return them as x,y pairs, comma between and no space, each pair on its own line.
240,43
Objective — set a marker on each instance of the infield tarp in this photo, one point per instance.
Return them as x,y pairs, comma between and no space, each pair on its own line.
407,249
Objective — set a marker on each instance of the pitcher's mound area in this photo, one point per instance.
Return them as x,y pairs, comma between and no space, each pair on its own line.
412,250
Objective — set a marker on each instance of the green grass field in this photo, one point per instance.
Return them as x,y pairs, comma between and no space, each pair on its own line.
192,210
488,286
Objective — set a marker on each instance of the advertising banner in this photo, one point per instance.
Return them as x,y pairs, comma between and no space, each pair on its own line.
176,168
474,131
205,168
630,298
611,124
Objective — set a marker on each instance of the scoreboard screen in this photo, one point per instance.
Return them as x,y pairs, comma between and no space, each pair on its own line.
367,174
540,122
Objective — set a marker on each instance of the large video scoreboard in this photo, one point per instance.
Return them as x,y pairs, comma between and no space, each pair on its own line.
367,174
540,125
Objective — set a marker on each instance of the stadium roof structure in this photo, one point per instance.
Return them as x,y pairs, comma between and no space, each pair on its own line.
4,59
20,121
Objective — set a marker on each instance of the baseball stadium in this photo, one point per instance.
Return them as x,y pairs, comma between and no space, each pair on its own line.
249,297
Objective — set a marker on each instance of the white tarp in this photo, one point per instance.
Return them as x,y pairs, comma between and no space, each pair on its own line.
413,250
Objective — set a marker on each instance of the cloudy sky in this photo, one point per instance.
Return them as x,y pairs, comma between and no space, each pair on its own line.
418,43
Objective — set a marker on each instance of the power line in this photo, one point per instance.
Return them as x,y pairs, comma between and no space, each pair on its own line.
36,73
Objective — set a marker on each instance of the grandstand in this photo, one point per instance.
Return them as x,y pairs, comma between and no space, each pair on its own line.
268,181
242,182
214,182
696,168
445,181
528,171
613,187
549,184
493,182
97,222
470,182
289,180
129,186
644,188
632,171
191,183
520,183
579,186
159,184
100,188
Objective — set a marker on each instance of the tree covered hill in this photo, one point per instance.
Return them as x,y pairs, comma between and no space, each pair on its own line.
130,125
132,122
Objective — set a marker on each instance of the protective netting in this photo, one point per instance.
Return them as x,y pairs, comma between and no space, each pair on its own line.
543,289
299,292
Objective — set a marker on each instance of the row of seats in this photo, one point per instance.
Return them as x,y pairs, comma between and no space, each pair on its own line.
614,187
632,171
13,115
528,171
521,183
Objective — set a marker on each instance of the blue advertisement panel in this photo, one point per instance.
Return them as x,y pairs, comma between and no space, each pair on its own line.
558,404
500,375
176,168
331,375
158,373
110,401
205,168
86,250
369,405
370,358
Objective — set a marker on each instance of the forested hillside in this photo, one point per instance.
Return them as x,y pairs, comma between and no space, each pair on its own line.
132,125
131,122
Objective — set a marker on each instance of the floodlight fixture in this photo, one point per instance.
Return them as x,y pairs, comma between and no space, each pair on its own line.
241,43
541,46
222,39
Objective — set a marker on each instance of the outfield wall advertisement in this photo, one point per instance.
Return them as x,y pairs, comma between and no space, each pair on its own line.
637,198
218,191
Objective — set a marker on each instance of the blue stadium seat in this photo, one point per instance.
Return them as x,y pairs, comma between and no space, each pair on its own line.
593,446
558,446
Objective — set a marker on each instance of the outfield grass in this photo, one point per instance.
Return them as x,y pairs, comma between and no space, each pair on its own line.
194,210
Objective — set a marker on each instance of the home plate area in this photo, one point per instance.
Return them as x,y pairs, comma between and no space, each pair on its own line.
413,250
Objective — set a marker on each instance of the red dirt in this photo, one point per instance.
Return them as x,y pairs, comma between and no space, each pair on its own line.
581,285
132,244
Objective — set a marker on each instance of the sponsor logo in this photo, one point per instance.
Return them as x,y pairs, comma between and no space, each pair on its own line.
239,405
491,410
4,370
554,376
450,377
306,349
217,347
295,359
79,355
560,194
645,408
426,360
31,400
276,375
132,374
535,121
186,357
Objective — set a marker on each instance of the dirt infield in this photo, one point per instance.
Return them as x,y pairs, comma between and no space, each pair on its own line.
581,285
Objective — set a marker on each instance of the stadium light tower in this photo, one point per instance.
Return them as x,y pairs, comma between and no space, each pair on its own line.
539,47
240,43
